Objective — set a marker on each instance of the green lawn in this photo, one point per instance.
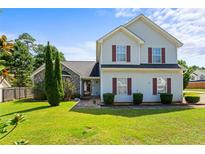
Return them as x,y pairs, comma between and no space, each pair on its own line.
196,90
61,125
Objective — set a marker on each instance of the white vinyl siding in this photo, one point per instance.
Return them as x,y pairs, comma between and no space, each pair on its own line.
153,39
123,39
122,86
121,52
142,82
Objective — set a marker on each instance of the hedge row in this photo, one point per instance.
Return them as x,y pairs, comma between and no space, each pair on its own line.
138,98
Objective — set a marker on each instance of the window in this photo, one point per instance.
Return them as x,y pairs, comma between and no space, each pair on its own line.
192,77
121,52
64,73
161,85
156,55
202,77
122,86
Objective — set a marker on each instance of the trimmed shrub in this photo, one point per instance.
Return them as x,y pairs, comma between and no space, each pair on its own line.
166,98
108,98
75,95
192,98
50,82
58,77
137,98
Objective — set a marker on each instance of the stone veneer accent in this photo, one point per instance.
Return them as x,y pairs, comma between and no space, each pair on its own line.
75,78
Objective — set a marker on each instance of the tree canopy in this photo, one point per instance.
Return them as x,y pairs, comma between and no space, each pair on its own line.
20,64
6,48
188,70
26,56
39,57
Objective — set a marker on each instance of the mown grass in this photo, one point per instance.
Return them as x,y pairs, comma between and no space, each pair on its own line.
63,125
196,90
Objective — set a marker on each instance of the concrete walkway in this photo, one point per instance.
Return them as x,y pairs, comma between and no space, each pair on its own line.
90,103
96,104
202,98
160,106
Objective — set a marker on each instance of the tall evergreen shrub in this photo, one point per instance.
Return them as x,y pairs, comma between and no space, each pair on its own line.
50,82
58,77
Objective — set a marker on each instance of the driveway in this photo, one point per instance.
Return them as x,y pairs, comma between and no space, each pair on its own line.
202,98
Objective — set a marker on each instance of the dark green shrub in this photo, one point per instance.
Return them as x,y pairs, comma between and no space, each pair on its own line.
58,77
50,81
108,98
75,95
137,98
166,98
39,91
192,98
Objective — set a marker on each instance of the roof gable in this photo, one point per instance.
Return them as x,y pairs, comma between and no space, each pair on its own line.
155,27
125,31
82,68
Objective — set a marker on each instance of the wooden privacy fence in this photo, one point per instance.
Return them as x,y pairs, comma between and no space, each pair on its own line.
13,93
196,85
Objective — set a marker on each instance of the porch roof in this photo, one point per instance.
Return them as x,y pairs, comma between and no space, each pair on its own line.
84,68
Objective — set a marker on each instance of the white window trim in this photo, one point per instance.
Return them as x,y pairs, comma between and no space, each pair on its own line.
118,87
160,54
125,53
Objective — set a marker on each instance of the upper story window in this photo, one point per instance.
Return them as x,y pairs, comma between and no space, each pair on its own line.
121,52
156,55
161,85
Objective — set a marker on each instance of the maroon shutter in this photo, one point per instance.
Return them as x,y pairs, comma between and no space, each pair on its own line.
163,55
129,86
169,86
113,53
128,53
114,86
149,55
154,84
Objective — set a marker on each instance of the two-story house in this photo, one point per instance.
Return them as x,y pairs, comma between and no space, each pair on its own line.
138,56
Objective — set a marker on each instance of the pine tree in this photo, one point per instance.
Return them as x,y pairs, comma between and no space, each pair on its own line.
20,64
58,76
50,83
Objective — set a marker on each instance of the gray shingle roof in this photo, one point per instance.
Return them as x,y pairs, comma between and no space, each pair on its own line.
84,68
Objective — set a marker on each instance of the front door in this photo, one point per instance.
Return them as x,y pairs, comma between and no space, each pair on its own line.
87,88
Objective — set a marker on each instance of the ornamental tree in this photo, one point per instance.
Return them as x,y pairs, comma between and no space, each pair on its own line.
58,76
50,83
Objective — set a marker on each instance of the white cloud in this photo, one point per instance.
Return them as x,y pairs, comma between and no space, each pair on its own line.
185,24
81,51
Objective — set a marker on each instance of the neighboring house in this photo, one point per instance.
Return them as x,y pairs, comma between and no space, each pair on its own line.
138,56
3,84
198,75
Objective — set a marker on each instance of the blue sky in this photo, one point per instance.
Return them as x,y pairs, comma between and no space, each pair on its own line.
74,31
